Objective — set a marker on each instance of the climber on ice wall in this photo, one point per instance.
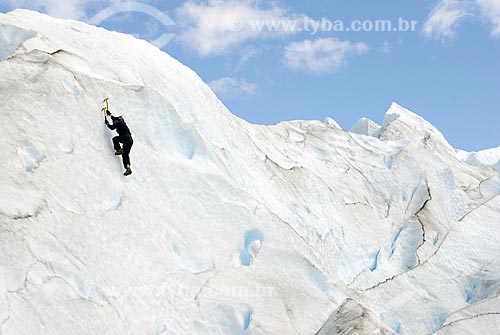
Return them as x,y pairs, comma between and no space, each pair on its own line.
124,137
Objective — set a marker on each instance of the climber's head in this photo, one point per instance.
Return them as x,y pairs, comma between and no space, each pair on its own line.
117,119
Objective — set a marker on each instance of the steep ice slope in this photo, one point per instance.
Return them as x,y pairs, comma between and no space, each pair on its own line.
224,227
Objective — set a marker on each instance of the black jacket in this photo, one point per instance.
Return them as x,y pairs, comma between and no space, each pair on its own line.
121,127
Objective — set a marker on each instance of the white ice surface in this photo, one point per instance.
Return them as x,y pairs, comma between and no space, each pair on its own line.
488,157
367,127
224,227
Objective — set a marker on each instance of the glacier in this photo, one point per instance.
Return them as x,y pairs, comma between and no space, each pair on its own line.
225,227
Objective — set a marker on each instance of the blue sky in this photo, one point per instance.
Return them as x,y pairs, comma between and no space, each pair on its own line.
447,69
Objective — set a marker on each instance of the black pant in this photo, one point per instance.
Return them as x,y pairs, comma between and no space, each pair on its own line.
127,145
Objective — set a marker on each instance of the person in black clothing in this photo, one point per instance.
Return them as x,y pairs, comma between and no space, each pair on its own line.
124,137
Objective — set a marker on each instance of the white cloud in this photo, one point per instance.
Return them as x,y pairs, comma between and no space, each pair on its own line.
444,18
231,88
322,55
447,15
490,10
67,9
216,26
246,54
386,48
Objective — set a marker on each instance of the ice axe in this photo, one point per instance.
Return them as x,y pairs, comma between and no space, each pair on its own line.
105,109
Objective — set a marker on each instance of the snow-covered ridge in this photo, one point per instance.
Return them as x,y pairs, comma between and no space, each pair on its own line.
224,227
488,157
